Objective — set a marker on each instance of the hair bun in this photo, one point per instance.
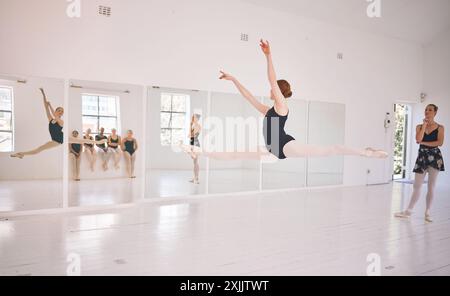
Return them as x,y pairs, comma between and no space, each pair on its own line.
288,94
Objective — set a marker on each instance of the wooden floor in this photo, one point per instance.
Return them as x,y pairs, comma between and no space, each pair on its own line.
319,232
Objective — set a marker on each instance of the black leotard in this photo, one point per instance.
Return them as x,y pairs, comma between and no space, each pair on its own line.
129,146
76,148
274,134
56,132
99,138
116,141
90,138
431,137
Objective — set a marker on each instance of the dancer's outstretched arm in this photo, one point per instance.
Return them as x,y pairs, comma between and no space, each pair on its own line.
58,120
246,93
280,103
50,115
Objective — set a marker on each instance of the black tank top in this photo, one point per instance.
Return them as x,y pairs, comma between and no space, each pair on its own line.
76,148
274,134
88,138
116,141
431,137
56,132
129,146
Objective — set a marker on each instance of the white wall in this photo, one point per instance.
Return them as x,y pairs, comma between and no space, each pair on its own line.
437,87
31,131
184,43
131,105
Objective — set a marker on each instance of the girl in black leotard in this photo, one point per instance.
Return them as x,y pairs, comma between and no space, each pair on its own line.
55,127
75,152
129,146
114,147
90,150
278,142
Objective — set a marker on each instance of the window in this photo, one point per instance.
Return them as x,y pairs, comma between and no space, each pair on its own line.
6,119
174,109
100,111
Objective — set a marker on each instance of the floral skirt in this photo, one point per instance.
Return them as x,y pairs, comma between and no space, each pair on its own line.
429,157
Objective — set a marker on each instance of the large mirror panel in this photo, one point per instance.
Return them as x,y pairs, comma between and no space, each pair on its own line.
112,172
233,131
326,127
31,129
175,118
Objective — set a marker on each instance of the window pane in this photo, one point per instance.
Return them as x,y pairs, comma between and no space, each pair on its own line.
89,105
90,122
179,103
107,106
5,142
165,137
5,99
177,136
178,120
166,102
108,123
165,120
5,121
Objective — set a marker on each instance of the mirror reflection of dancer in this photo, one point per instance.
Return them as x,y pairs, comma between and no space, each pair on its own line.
430,136
55,127
114,147
103,148
195,130
129,146
89,149
278,143
75,152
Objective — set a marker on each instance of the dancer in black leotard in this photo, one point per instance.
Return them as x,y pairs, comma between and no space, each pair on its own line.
114,147
129,146
55,127
75,152
103,148
90,150
195,142
278,143
430,136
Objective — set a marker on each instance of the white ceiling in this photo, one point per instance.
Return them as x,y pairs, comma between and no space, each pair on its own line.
419,21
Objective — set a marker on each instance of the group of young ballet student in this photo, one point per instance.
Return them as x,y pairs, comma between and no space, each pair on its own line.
107,147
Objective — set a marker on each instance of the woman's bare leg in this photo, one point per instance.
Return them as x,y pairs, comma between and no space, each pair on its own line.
46,146
76,166
133,161
295,149
92,158
127,157
115,153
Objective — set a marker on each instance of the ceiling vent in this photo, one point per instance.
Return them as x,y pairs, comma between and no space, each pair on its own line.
104,10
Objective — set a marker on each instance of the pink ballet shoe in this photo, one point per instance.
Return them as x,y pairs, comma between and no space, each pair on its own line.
17,155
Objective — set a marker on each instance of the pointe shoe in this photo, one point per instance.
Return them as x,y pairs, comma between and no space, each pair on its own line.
375,153
17,155
428,218
195,181
404,215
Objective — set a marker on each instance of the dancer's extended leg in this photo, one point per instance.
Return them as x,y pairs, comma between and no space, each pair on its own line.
46,146
417,187
295,149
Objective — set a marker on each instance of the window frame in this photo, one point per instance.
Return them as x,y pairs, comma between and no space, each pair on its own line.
170,128
12,130
98,116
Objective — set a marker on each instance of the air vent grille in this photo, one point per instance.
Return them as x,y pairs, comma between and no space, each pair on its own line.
104,10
